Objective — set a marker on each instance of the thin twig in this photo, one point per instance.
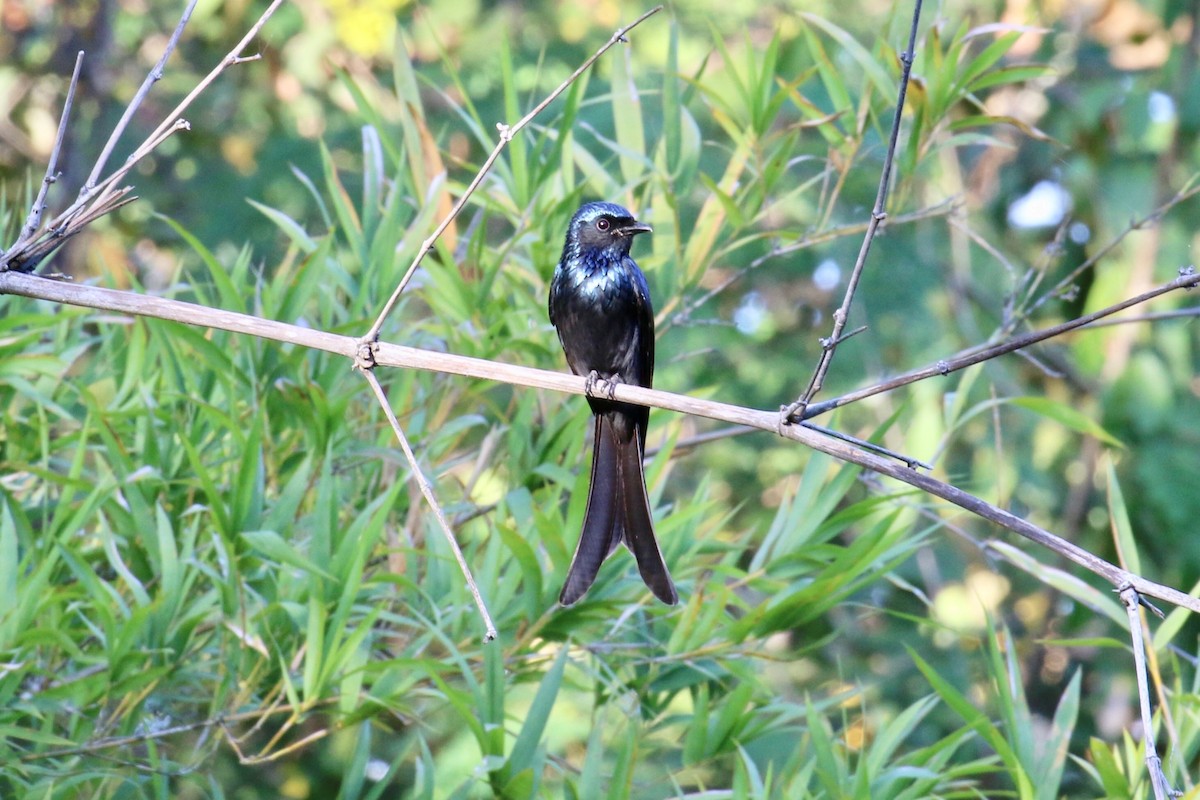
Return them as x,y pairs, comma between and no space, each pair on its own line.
153,77
427,490
795,411
413,358
877,449
100,195
1153,316
806,241
35,252
147,736
507,132
1162,788
169,123
1188,278
34,220
1190,189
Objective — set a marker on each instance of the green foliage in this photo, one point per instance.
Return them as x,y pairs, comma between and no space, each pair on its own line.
220,579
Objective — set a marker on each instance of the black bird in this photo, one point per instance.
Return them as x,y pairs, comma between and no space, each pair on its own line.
600,304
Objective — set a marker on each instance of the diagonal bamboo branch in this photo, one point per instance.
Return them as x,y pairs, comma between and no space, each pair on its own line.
34,221
796,410
412,358
427,490
507,132
96,199
1186,280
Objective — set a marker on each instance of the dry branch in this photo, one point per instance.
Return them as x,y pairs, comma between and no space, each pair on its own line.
795,411
97,199
1187,279
414,358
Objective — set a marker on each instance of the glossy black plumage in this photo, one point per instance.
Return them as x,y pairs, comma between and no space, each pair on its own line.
600,305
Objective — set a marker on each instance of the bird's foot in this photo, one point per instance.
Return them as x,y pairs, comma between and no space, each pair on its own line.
597,386
610,384
589,386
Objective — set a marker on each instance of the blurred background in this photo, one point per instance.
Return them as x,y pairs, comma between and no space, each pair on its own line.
831,621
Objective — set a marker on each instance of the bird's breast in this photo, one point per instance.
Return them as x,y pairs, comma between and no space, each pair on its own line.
601,289
600,310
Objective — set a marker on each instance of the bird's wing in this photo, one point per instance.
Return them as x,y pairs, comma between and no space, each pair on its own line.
645,328
553,291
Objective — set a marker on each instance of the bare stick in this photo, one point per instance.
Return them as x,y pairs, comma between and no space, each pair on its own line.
34,220
427,490
1189,190
413,358
168,124
804,242
795,411
1153,316
507,132
152,78
1162,788
221,720
100,196
1188,278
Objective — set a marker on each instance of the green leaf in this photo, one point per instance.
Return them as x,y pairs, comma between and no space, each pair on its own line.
314,652
249,486
627,116
231,295
10,561
348,221
170,574
672,108
272,545
1006,75
1122,529
1104,602
1048,776
1065,415
1174,622
594,763
531,569
875,72
977,722
695,744
1112,777
291,229
525,747
987,57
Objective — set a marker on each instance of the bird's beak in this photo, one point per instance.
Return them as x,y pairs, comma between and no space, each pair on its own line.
634,228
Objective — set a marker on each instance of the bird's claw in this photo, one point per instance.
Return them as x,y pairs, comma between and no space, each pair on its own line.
592,387
589,386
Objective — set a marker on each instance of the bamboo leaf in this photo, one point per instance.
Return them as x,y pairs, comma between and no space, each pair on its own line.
627,117
1065,415
525,747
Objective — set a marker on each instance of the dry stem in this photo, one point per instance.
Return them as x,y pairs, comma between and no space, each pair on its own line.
409,357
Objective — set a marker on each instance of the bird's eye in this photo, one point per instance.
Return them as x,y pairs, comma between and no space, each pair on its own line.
602,224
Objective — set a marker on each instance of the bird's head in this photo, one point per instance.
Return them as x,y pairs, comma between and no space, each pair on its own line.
604,227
